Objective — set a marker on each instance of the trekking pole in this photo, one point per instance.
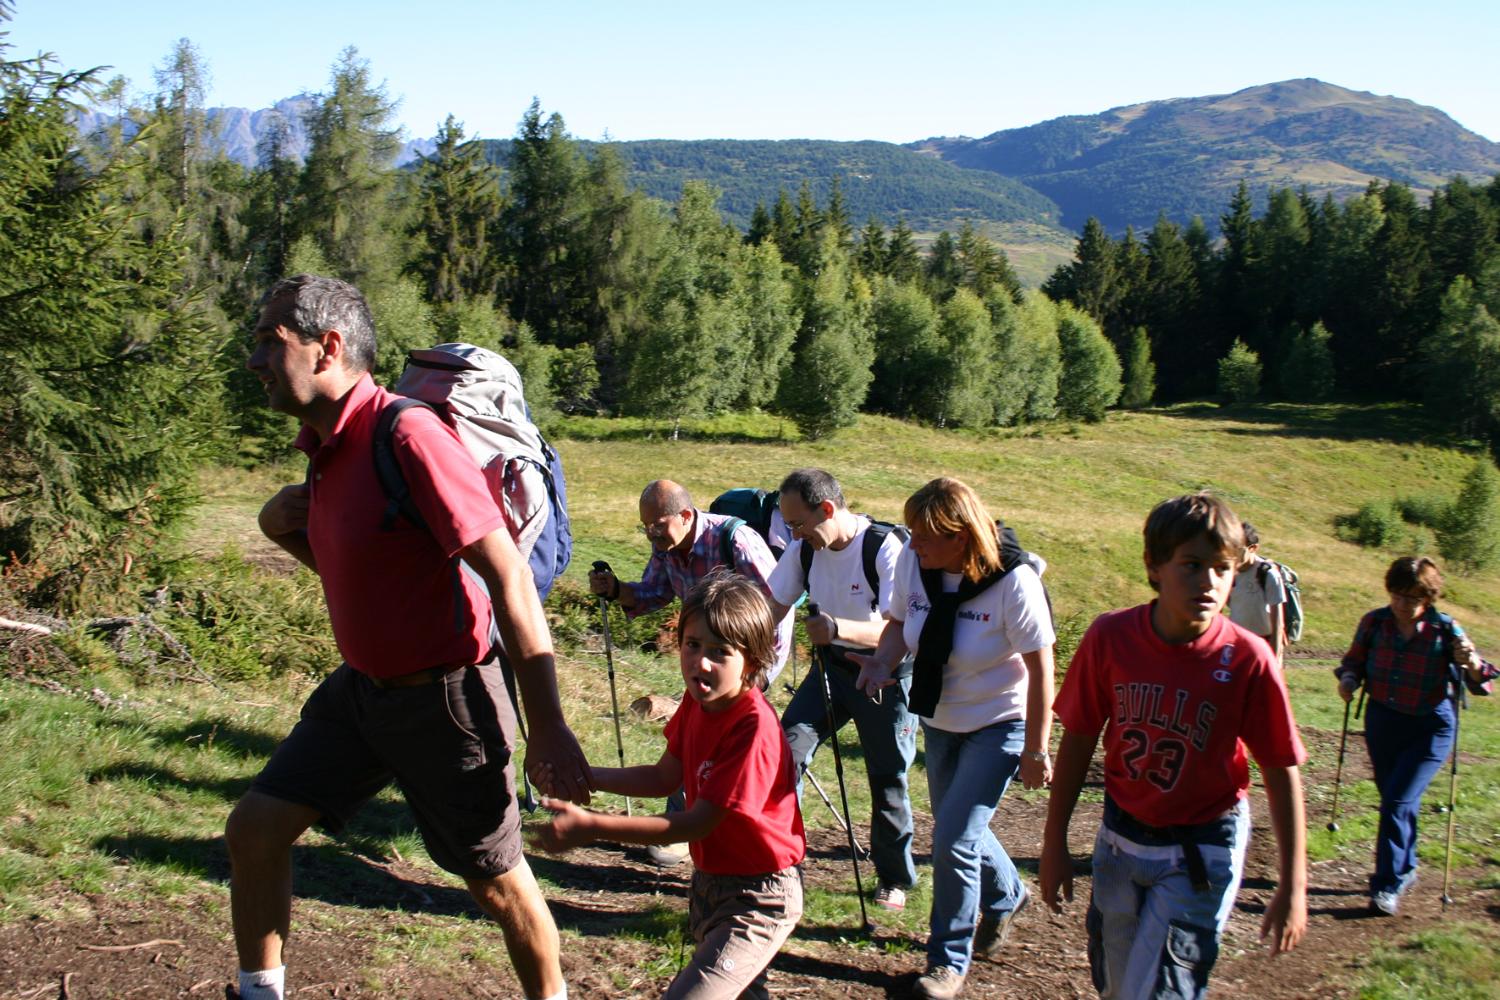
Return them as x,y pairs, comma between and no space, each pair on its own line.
820,659
600,566
818,787
1458,704
1338,774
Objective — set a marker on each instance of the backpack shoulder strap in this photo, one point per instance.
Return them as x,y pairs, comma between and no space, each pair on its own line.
875,536
805,556
726,540
388,470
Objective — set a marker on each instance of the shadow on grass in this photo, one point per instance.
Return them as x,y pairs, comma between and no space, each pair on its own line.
1395,423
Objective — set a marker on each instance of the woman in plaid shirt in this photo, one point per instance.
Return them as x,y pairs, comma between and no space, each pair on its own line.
1408,655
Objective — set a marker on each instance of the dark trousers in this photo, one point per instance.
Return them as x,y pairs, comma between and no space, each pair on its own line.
1406,751
888,739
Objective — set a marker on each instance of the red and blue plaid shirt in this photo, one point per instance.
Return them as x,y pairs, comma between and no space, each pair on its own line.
1408,675
672,574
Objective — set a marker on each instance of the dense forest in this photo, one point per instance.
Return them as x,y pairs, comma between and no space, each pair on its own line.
132,258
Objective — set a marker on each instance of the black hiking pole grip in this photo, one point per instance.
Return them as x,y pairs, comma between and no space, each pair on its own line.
820,660
1338,774
600,566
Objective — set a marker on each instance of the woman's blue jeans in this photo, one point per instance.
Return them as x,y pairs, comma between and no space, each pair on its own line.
971,873
1406,751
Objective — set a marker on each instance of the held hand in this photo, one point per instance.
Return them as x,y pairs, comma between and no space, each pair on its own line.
1036,773
555,762
1463,652
285,512
1348,684
1286,919
569,827
601,582
821,629
873,675
1056,872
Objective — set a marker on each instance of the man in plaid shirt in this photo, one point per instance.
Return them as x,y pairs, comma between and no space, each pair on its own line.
687,544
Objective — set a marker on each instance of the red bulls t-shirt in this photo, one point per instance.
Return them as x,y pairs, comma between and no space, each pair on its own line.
1177,718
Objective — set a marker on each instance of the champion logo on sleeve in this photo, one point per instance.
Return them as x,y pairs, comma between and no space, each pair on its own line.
1226,655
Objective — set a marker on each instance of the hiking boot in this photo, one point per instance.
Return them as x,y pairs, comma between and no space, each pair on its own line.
890,897
1386,902
939,983
993,931
666,855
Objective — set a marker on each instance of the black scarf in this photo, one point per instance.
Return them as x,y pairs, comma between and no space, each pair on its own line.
936,642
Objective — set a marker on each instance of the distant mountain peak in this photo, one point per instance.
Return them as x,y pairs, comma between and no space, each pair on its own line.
1186,155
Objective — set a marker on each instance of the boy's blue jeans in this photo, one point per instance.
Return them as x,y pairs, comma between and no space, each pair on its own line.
967,773
887,740
1152,936
1405,752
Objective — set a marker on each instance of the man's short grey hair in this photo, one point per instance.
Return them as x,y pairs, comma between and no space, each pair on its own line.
813,486
320,304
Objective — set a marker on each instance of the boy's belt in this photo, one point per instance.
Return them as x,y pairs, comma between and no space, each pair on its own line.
416,678
1215,833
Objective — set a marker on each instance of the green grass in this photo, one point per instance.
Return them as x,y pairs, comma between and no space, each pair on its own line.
1458,962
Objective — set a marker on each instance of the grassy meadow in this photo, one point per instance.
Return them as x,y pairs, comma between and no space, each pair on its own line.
116,781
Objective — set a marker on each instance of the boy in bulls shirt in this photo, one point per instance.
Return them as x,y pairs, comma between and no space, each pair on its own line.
1179,692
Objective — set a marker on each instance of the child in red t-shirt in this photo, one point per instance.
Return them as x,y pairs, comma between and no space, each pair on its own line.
742,822
1179,692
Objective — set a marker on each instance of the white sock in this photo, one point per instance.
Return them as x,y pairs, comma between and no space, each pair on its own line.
267,984
561,994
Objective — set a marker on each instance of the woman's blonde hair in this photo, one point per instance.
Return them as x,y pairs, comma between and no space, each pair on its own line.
946,507
735,610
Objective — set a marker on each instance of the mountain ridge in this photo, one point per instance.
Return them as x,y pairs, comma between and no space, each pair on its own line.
1185,155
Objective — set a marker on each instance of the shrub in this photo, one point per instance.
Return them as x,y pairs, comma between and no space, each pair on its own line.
1239,373
1375,525
1469,537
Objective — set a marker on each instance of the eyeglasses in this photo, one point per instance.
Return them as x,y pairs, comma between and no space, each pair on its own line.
656,528
815,517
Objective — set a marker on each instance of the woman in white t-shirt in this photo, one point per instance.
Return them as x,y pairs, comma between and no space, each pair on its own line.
982,686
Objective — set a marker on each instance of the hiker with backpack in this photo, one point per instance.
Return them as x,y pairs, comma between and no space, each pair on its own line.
1258,599
845,563
419,699
1409,657
980,628
687,544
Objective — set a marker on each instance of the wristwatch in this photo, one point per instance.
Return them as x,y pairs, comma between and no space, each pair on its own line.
1040,756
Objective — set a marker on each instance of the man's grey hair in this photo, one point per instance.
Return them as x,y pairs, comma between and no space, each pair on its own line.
320,304
813,486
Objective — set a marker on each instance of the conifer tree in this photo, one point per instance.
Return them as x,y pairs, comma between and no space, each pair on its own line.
827,382
1461,363
903,262
108,390
1469,536
908,351
1307,373
870,255
1140,372
772,319
347,181
457,223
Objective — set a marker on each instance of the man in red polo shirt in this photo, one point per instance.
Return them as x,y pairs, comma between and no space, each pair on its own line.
419,699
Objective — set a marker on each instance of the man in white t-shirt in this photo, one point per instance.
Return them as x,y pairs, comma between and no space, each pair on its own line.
845,562
1258,600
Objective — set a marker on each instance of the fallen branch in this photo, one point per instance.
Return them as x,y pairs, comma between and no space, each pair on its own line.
153,943
27,627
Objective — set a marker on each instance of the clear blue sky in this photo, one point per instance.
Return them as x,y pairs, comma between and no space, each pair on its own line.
834,69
